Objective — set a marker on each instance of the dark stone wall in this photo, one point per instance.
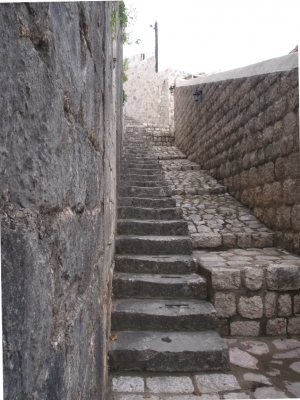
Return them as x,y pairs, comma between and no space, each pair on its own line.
59,86
245,131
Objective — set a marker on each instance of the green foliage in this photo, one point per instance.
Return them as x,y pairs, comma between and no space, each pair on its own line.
125,68
124,97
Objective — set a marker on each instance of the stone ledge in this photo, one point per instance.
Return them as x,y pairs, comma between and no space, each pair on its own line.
255,291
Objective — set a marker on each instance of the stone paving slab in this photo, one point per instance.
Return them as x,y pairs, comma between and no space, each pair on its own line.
274,377
220,221
167,153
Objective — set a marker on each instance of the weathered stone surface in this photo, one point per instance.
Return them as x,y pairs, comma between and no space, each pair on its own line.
128,384
225,304
168,351
289,354
269,393
256,347
297,304
250,307
165,315
58,190
283,277
284,305
244,328
170,384
296,366
225,278
214,383
294,326
242,358
257,378
276,326
253,278
270,304
236,395
285,344
294,388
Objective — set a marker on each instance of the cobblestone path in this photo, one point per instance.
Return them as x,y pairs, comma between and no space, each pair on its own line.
253,286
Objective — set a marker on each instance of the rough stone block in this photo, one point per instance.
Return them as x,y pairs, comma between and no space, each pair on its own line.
270,304
170,384
294,326
283,277
244,328
225,304
128,384
284,305
214,383
253,278
276,326
250,307
297,304
226,278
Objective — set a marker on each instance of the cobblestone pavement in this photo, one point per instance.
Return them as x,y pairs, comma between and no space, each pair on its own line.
221,221
261,368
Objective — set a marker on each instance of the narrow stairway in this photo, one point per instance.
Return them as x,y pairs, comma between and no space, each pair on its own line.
160,318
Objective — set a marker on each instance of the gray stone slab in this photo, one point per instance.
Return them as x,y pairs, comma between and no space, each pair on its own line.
214,383
146,227
143,213
154,245
168,351
147,202
165,315
164,264
159,286
128,384
170,384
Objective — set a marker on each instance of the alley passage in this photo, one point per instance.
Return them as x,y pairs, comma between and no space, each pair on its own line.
181,239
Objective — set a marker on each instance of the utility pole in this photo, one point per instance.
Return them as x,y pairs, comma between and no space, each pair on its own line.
156,46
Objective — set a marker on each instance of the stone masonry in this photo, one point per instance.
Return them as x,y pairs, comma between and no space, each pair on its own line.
245,131
60,91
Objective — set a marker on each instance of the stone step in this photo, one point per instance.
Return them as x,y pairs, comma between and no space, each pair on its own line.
126,165
150,286
140,171
163,315
144,213
143,183
154,245
147,202
135,191
163,264
146,227
139,177
168,351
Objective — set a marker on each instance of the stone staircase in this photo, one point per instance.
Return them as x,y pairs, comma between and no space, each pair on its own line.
161,320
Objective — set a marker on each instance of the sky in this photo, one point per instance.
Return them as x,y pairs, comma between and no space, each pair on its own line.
214,35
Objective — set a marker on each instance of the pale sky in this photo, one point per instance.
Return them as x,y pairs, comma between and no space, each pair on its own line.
214,35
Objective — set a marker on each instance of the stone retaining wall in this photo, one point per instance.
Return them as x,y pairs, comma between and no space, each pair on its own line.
59,90
156,135
255,292
245,131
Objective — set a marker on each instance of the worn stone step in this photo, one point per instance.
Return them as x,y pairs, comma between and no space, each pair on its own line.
155,245
141,171
163,315
147,264
126,165
135,191
144,213
168,286
147,202
168,351
140,177
146,227
143,183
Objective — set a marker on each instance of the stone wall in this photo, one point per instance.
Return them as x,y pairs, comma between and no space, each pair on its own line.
59,86
245,131
148,97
